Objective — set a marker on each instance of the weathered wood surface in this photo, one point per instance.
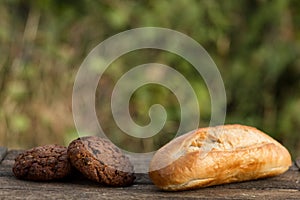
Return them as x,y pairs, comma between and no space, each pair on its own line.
285,186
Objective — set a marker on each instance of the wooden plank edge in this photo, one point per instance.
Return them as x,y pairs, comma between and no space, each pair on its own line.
3,151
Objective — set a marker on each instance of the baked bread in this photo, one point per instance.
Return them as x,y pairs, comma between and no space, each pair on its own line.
217,155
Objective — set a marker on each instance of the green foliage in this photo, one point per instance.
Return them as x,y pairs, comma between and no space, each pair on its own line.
255,44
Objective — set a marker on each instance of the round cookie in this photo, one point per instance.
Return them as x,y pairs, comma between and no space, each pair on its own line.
99,160
42,163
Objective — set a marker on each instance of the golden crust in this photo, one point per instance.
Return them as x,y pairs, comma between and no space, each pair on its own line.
217,155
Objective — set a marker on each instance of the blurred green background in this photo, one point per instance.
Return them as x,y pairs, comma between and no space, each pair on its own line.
255,44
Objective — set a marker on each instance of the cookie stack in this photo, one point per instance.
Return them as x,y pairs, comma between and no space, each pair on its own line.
96,158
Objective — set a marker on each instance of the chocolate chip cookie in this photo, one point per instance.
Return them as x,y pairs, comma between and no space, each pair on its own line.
42,163
99,160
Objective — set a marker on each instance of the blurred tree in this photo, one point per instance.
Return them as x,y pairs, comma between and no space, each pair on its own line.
255,44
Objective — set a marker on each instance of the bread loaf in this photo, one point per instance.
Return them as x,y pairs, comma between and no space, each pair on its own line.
217,155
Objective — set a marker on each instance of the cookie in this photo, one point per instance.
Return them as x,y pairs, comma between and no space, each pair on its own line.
42,163
99,160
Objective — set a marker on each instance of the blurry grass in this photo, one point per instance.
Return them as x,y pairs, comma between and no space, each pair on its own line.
43,44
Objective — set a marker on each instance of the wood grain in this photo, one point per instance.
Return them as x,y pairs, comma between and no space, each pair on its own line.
285,186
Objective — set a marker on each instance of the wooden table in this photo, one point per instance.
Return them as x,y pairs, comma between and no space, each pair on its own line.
285,186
